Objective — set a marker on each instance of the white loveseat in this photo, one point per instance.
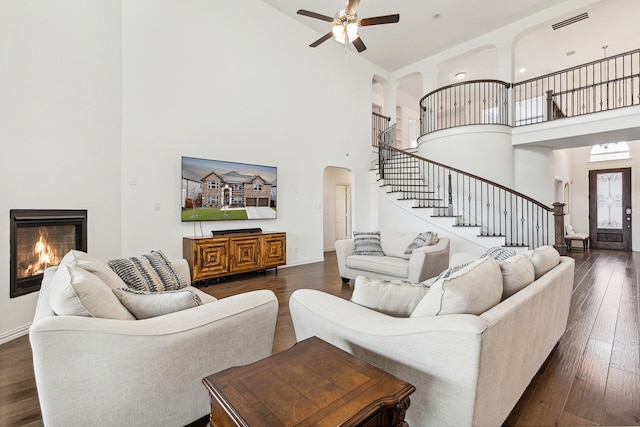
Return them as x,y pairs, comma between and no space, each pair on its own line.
468,369
106,372
423,263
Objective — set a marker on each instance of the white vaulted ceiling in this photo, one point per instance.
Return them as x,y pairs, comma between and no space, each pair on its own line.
419,35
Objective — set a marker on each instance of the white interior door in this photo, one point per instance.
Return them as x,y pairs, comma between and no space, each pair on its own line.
343,212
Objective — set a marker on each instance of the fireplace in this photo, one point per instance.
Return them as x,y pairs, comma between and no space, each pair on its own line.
39,239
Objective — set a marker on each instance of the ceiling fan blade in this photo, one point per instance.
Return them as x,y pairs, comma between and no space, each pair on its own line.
315,15
352,7
387,19
359,44
321,39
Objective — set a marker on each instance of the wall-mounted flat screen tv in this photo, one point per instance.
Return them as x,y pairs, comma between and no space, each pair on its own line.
216,190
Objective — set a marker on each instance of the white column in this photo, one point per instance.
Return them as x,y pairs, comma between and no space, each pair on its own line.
505,69
533,173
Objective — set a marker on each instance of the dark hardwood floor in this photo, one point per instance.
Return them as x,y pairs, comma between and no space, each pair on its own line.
592,377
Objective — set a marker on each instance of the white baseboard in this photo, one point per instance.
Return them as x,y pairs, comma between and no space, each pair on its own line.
16,333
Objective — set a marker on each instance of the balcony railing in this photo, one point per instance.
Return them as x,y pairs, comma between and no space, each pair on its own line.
602,85
461,104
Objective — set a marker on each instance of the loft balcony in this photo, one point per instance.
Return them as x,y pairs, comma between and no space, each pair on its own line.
605,86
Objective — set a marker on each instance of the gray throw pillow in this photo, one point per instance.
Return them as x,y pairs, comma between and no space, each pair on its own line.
144,305
367,243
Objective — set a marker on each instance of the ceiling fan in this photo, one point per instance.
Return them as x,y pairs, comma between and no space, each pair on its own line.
346,24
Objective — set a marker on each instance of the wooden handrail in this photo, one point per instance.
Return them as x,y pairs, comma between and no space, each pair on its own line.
577,67
467,83
470,175
382,116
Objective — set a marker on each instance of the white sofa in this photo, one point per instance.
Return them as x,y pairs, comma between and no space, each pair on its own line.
104,372
468,370
425,262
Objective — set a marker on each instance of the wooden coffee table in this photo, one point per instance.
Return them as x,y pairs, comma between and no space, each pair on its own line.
311,384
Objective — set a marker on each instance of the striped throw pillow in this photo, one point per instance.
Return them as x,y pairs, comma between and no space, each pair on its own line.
498,253
367,243
148,273
422,239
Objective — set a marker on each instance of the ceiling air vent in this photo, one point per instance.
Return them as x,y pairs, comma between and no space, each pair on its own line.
570,21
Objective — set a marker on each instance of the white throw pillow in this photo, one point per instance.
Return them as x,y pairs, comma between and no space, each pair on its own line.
394,243
204,297
517,274
77,292
471,290
145,305
543,259
93,265
395,298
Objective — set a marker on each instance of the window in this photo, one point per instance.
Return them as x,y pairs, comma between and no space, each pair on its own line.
237,200
213,185
609,193
612,151
238,186
257,186
213,200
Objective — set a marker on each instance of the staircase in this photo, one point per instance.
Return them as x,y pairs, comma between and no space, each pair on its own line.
473,207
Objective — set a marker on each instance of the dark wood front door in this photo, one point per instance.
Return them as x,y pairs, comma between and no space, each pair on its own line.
610,208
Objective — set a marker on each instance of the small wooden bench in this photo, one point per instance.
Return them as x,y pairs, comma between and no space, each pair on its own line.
584,238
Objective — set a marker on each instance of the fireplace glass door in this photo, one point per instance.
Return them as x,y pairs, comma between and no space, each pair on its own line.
39,239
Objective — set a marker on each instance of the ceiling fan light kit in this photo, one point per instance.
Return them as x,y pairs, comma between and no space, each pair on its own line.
346,24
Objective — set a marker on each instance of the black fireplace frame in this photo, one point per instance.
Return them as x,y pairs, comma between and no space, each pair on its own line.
35,218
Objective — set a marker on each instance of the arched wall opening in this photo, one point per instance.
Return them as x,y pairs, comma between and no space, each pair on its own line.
377,95
409,90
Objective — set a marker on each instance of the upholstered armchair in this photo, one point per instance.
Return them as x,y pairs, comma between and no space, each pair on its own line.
393,262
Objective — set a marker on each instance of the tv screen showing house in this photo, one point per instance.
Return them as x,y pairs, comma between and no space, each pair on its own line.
216,190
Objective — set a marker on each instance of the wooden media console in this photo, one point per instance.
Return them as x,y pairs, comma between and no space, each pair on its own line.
234,253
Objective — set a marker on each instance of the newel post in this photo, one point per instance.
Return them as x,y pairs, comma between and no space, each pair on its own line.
558,217
550,110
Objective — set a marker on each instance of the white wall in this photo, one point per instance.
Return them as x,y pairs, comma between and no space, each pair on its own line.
59,124
194,85
102,98
533,173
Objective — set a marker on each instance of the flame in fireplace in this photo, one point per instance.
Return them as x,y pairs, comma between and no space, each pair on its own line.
46,254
